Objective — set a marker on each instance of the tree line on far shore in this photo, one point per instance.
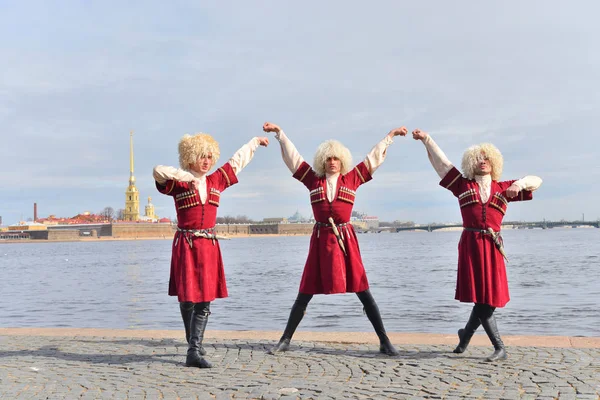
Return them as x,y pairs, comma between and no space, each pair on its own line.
111,215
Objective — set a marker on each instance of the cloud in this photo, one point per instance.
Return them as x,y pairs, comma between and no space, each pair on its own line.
79,78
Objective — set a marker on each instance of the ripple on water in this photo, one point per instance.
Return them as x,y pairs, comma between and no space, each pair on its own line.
553,277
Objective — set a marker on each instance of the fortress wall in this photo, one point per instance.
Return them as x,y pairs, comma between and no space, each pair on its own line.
233,229
281,229
63,234
132,231
266,229
295,229
39,235
105,230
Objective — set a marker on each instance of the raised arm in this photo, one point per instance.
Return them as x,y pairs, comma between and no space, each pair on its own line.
529,183
290,155
163,173
244,155
436,156
376,156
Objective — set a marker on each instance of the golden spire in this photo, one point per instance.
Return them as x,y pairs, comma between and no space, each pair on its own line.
131,177
132,199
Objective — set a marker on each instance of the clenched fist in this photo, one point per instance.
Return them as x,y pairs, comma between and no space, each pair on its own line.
419,134
512,191
402,131
270,127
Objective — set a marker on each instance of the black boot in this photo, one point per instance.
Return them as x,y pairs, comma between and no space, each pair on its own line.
465,335
488,321
296,314
197,328
372,311
187,309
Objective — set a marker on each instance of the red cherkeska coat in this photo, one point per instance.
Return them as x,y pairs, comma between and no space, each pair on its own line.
327,269
197,273
481,274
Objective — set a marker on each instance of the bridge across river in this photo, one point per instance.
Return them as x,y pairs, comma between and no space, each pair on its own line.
508,225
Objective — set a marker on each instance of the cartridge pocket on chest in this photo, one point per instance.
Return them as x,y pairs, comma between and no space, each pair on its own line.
499,202
346,194
214,197
187,199
317,195
467,198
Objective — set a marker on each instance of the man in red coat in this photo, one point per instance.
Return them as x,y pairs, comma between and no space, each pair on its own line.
483,200
197,274
334,264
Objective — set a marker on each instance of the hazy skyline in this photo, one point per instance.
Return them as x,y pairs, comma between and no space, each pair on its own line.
78,76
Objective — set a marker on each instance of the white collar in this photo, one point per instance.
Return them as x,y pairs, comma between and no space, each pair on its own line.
330,177
198,175
484,180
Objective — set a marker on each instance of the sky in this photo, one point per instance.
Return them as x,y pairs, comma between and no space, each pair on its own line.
77,76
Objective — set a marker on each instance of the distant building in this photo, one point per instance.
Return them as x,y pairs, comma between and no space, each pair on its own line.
132,195
25,226
403,224
298,218
280,229
365,222
279,220
85,217
0,220
12,235
52,220
372,222
149,214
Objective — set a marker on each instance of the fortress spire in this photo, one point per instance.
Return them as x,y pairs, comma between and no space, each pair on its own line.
131,177
132,196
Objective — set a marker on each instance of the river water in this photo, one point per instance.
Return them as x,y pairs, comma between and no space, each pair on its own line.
554,280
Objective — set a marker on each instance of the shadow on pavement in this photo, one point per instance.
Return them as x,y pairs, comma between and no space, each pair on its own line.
55,352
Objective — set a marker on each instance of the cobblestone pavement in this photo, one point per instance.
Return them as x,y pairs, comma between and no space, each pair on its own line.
39,367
